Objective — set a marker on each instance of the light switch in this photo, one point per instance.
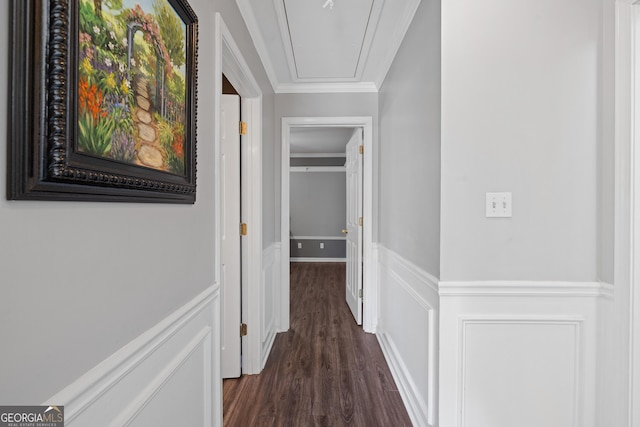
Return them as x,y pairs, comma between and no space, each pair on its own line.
321,245
299,245
499,205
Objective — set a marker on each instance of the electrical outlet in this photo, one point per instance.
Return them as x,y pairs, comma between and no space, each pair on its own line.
321,245
299,245
498,205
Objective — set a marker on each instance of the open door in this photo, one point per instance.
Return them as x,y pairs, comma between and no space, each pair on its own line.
230,254
353,231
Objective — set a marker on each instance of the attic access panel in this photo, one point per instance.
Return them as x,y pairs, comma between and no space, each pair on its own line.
327,43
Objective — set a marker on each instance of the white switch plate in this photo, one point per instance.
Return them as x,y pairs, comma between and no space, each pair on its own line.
321,245
299,245
499,205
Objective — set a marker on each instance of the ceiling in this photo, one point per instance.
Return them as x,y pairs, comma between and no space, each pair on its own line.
319,140
306,47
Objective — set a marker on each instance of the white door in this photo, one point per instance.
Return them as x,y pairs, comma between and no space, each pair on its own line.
230,228
354,229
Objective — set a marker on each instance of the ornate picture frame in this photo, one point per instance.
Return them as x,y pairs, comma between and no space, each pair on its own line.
102,101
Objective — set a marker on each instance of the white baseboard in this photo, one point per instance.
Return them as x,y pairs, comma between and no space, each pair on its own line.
319,238
174,364
414,403
407,330
303,259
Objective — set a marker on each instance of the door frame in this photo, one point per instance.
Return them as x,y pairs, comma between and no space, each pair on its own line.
370,288
229,60
627,207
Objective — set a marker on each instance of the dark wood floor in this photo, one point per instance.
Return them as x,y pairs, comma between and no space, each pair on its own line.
325,371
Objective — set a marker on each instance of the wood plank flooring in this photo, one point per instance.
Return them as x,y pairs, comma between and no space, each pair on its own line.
325,371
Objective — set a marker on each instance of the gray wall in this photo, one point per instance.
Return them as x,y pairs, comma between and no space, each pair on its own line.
310,248
520,114
321,105
270,217
80,280
606,141
410,145
317,203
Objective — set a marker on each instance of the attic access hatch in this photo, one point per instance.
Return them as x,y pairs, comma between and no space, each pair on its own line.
328,42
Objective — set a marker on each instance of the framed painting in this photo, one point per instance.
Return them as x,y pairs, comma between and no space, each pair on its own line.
103,101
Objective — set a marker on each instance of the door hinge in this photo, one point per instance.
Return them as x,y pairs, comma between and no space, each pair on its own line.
243,329
360,293
360,221
243,229
243,128
361,149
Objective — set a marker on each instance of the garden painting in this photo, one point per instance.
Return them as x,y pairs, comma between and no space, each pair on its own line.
132,92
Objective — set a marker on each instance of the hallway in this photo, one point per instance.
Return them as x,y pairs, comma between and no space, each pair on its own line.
325,371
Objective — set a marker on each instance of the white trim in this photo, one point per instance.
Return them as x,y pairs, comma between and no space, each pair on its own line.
229,60
317,169
634,228
94,391
525,288
397,263
624,322
356,87
285,38
407,388
310,259
366,123
318,238
369,36
312,155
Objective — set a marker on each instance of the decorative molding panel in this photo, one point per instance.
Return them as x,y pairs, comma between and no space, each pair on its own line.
540,356
270,299
519,353
408,332
175,364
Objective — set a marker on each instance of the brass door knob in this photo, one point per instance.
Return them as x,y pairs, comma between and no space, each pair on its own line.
345,231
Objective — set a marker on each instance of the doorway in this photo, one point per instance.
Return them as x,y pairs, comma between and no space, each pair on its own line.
369,295
230,62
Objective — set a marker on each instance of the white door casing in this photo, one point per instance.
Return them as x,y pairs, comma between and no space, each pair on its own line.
230,61
230,274
370,288
353,167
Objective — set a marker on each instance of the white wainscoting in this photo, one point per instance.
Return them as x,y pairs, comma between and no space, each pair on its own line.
407,330
270,299
519,353
168,376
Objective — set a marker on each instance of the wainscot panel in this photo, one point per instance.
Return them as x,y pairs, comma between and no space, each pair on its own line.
408,332
270,299
518,353
168,376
